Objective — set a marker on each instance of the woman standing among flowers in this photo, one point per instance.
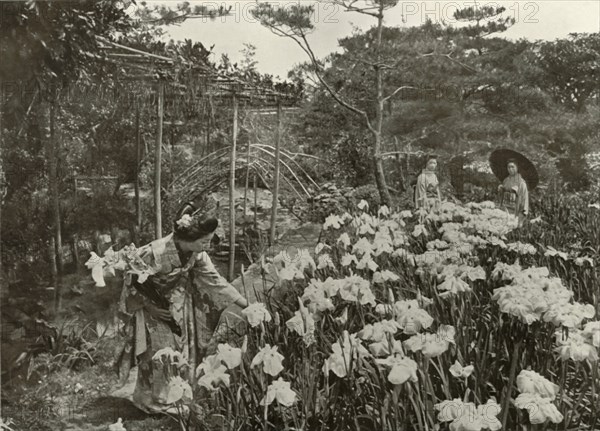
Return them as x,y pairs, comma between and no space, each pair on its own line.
169,289
515,196
518,176
427,190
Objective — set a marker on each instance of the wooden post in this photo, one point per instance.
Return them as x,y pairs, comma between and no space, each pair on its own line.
255,202
246,184
232,190
138,161
276,176
206,150
171,154
157,163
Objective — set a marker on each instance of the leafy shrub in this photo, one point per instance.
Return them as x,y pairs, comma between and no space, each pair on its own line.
369,193
329,199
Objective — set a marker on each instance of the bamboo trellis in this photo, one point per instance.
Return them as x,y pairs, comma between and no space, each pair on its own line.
201,84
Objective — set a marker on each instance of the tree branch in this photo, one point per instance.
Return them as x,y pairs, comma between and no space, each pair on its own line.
404,87
448,56
351,8
330,90
307,49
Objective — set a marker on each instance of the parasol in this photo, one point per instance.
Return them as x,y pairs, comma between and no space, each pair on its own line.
499,159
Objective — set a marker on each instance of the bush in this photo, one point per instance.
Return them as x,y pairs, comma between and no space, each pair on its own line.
328,200
369,193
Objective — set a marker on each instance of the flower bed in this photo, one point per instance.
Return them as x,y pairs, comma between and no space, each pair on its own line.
402,321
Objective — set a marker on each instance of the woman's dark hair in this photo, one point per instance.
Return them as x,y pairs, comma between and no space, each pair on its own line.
428,158
198,228
514,162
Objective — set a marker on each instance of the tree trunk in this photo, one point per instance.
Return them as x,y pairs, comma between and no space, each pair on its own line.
276,177
138,160
384,193
157,163
55,187
457,173
232,191
401,178
2,188
114,236
75,251
54,271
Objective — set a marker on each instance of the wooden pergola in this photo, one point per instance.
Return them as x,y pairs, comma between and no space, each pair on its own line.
155,72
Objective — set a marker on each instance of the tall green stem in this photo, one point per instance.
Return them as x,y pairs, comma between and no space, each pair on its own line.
511,381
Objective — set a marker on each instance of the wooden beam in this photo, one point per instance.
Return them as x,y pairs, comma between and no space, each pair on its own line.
137,51
96,178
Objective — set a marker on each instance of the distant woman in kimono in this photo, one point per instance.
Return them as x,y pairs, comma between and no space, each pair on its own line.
427,190
514,193
169,309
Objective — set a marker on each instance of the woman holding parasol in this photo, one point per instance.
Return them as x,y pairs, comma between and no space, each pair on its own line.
427,190
518,176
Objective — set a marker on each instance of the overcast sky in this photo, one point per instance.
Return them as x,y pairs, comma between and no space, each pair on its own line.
547,19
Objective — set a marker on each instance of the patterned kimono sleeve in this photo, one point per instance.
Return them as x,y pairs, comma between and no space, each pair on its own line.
207,281
523,197
420,191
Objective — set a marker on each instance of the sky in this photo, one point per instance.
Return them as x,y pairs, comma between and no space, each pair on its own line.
547,20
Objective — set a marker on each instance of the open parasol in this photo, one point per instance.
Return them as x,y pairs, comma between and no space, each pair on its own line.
499,159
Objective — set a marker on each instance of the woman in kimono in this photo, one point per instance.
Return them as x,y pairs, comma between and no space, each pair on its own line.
170,309
427,190
514,195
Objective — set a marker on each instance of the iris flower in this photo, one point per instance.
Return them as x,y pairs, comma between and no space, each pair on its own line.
381,277
402,369
281,392
270,359
432,345
540,409
303,323
256,313
178,390
333,222
344,239
347,259
576,346
345,353
458,371
231,356
214,373
530,382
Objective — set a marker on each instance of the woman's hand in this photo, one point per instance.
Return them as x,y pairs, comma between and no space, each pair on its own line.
500,187
157,312
242,302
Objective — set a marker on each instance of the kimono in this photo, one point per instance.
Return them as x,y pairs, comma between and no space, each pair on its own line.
427,191
514,197
194,292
